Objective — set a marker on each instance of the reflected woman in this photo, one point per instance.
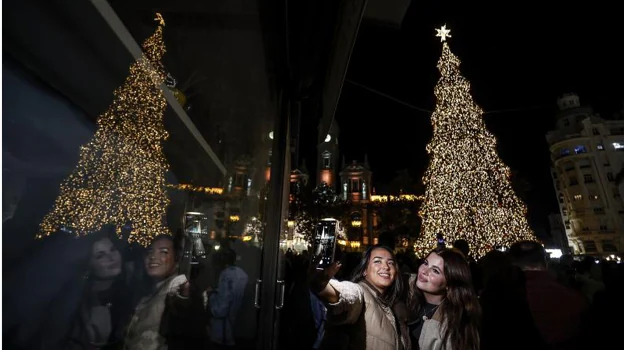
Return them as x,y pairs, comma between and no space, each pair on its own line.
108,298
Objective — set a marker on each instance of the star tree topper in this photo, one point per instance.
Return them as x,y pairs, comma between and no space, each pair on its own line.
159,18
443,33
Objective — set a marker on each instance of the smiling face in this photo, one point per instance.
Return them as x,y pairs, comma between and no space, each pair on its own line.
105,259
431,279
160,259
381,270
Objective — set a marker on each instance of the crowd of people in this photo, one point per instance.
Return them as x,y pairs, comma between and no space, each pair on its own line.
518,299
134,298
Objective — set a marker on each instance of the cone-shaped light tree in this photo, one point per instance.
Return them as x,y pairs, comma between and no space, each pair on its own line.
120,176
468,190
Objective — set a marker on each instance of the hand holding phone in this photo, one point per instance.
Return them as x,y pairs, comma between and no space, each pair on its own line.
319,278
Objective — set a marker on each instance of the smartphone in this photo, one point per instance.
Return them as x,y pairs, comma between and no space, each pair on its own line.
325,242
441,240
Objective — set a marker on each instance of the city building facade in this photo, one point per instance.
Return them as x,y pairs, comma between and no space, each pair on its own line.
587,153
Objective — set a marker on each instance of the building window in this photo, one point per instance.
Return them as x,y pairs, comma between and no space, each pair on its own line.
573,181
588,178
578,197
327,160
595,131
593,197
608,246
564,152
239,180
618,131
600,147
580,149
363,190
355,185
618,146
599,210
561,198
590,246
249,186
610,176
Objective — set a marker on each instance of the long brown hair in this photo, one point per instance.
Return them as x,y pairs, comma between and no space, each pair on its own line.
392,294
460,309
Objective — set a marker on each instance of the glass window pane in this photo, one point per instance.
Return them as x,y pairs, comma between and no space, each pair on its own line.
82,99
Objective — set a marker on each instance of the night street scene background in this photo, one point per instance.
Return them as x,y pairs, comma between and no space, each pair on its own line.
364,174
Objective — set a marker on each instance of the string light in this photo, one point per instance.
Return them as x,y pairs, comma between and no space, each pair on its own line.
390,198
193,188
120,176
469,194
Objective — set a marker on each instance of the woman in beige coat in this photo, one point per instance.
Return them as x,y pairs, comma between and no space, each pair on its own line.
170,291
443,304
364,307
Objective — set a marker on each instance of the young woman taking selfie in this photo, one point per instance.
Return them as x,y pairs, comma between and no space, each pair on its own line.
363,307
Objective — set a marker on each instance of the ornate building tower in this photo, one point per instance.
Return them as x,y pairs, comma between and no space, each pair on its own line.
298,180
327,159
355,180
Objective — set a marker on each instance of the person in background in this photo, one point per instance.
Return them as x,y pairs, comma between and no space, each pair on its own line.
587,282
557,310
463,246
224,303
319,312
504,303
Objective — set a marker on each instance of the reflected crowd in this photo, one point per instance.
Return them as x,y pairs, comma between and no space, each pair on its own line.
130,297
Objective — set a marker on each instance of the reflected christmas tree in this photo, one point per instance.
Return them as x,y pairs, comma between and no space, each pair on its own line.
120,176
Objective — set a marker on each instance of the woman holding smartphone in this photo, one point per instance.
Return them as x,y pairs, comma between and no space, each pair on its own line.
363,307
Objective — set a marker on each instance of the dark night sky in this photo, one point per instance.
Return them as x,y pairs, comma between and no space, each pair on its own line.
515,58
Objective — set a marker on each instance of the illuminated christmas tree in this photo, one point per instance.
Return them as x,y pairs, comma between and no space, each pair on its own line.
469,194
120,176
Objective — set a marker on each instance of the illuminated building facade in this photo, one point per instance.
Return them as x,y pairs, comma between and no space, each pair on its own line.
587,153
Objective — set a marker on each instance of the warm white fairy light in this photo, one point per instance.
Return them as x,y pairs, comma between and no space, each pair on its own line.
469,193
120,176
